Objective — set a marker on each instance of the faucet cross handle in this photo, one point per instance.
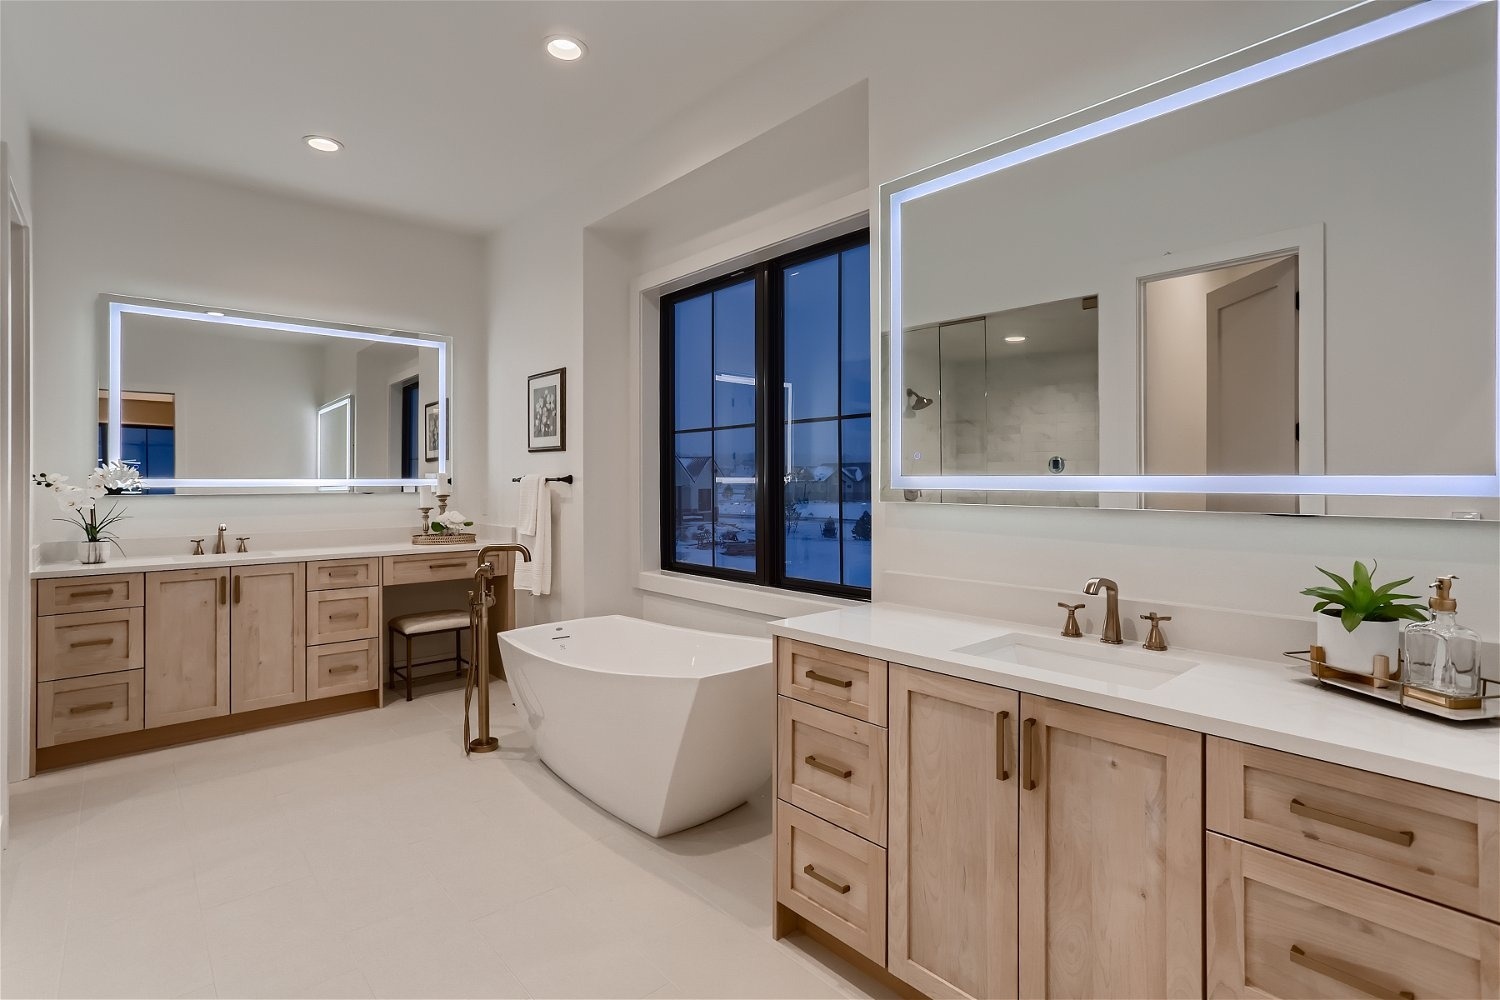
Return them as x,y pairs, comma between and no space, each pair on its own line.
1155,641
1070,627
197,546
243,540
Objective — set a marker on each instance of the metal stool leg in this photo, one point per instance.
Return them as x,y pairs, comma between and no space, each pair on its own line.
408,668
458,652
390,659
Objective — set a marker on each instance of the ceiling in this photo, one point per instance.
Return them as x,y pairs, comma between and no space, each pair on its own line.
450,112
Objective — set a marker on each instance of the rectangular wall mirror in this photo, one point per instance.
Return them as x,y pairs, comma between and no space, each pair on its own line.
1266,285
207,400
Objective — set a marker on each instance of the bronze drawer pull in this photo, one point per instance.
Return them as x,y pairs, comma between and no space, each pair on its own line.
813,675
1029,753
1353,980
839,887
446,565
236,590
72,594
95,706
223,590
1002,766
1402,838
351,571
82,644
347,616
837,770
343,668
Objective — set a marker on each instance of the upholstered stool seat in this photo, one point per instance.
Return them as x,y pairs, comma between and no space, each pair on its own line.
425,623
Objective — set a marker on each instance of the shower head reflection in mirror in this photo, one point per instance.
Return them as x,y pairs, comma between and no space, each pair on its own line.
270,403
1184,182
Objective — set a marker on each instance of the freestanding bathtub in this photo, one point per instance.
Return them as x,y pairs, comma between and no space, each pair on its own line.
665,727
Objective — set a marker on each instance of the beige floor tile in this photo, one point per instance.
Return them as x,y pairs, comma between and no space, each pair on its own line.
278,942
719,957
591,971
349,986
432,957
156,950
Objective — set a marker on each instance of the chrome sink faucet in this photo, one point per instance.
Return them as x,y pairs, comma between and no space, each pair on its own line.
1111,607
219,548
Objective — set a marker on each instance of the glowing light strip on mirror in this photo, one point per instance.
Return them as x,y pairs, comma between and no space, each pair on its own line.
118,309
1314,52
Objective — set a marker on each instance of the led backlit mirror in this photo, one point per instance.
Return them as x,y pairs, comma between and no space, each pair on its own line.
207,400
1265,285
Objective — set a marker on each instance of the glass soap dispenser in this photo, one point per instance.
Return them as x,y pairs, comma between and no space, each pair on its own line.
1441,654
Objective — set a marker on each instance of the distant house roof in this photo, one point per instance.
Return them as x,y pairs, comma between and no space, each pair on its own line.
694,466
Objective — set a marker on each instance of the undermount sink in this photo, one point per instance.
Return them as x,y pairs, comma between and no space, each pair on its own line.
1130,667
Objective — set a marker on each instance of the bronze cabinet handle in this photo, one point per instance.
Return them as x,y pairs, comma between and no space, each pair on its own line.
1002,766
95,706
81,644
347,616
813,675
1029,754
236,590
837,770
89,593
1402,838
1348,977
351,571
445,565
811,872
223,590
343,668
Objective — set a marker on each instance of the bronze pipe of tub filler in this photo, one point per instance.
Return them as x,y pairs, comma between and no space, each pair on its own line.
481,600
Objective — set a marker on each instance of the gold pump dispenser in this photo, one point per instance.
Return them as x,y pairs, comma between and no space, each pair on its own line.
1443,600
1441,655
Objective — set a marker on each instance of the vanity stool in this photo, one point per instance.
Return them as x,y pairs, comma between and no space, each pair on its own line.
425,623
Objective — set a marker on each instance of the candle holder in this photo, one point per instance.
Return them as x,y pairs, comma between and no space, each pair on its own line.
442,499
426,523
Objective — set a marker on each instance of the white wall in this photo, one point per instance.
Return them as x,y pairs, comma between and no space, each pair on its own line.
244,405
112,225
944,79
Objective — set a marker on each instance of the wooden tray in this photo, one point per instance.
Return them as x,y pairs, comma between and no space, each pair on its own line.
445,538
1394,691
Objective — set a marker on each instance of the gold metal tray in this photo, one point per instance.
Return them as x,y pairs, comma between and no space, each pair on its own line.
1394,691
445,538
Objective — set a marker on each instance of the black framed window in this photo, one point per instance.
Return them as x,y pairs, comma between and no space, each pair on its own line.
766,433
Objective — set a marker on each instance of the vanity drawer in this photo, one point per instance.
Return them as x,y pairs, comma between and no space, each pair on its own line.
90,642
343,668
82,708
343,615
831,878
1280,927
846,683
833,767
332,574
1437,844
430,567
90,593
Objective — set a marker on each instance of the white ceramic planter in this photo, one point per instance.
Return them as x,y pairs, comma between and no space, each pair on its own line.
1356,651
93,553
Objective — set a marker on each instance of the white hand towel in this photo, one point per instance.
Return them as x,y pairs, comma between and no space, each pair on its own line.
534,530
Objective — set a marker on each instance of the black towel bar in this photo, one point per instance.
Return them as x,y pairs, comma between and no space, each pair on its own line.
551,479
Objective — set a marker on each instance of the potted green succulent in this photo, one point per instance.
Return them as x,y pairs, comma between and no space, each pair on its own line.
1358,620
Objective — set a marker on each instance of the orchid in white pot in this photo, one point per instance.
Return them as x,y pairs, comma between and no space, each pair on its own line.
81,505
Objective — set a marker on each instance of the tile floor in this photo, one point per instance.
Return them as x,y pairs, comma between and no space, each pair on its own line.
364,856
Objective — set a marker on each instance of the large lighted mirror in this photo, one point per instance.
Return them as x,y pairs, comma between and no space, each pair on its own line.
1265,285
207,400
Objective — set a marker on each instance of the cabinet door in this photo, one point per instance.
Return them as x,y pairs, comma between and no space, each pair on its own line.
952,835
187,645
1111,855
268,636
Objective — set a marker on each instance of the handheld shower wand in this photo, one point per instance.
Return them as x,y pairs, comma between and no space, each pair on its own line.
481,600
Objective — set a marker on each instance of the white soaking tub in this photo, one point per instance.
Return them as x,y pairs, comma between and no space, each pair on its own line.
664,727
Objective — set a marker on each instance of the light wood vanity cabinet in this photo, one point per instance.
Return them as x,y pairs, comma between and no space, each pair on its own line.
954,805
267,636
1036,848
187,645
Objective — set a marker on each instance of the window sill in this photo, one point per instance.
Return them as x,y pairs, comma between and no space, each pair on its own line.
767,601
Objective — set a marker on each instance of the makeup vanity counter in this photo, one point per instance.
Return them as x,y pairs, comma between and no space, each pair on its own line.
148,651
986,809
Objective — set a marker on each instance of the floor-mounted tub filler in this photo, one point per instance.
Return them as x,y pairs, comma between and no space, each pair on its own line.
664,727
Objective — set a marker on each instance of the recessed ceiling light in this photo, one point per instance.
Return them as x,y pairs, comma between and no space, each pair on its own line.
323,143
214,312
566,48
1015,340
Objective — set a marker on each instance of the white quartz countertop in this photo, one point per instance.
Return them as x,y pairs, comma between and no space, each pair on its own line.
1269,704
150,563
